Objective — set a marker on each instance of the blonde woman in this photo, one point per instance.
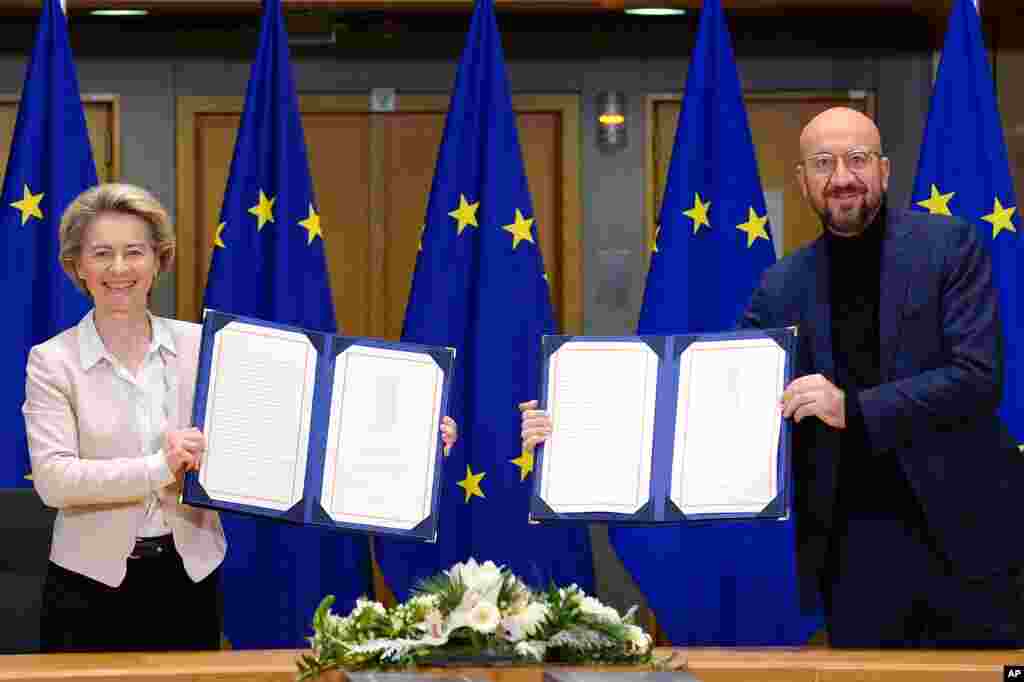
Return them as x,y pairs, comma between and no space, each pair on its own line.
107,411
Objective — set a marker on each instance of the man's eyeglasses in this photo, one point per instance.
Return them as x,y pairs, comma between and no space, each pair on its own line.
825,164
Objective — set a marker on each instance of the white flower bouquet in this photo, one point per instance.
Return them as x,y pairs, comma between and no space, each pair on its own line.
475,612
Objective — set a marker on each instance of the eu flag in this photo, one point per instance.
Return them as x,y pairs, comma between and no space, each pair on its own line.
964,171
49,165
479,286
269,263
718,584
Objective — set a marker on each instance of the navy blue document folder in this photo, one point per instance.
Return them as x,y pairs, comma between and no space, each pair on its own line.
707,438
313,428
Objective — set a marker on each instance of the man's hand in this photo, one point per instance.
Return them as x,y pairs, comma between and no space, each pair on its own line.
449,433
536,425
814,396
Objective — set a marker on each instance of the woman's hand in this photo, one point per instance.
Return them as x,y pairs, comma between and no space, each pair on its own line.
536,425
184,450
449,433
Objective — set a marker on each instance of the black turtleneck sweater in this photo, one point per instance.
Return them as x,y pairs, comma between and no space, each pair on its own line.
854,281
869,486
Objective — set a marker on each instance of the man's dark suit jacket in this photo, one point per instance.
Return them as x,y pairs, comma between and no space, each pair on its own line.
941,366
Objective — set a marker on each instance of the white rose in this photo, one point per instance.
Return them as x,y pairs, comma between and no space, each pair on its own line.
511,629
367,604
470,598
524,623
534,650
427,601
484,617
457,619
534,615
485,579
592,607
571,595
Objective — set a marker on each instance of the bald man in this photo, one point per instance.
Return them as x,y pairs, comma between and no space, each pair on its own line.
906,484
905,481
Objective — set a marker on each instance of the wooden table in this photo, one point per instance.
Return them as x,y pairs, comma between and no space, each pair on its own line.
708,665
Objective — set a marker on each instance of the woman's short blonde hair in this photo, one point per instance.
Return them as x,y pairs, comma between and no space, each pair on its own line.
114,197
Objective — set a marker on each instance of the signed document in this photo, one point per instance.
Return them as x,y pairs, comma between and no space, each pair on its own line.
664,428
725,455
385,416
258,408
313,428
601,396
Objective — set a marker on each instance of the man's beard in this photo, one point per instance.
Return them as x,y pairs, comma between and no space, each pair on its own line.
855,222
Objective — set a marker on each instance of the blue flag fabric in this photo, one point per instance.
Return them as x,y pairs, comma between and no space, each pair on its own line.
717,584
480,287
964,171
49,165
269,263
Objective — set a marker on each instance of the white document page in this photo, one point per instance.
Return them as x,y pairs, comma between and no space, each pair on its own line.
257,416
601,398
728,422
382,437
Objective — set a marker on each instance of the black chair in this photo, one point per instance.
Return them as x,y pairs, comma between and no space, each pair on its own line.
26,528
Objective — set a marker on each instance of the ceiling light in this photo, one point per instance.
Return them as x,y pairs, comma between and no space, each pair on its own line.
119,12
656,11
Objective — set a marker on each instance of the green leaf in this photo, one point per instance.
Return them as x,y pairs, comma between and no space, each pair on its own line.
320,615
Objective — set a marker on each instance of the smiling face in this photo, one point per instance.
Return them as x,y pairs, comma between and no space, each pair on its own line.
842,173
118,264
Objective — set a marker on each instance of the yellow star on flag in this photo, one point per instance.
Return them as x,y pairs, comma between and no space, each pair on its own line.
937,204
217,241
465,213
520,230
312,226
654,242
29,205
1000,218
263,210
471,483
699,213
754,227
525,463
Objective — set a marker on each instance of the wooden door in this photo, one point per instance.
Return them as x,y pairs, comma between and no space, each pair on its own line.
101,117
776,120
1008,64
372,174
337,154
